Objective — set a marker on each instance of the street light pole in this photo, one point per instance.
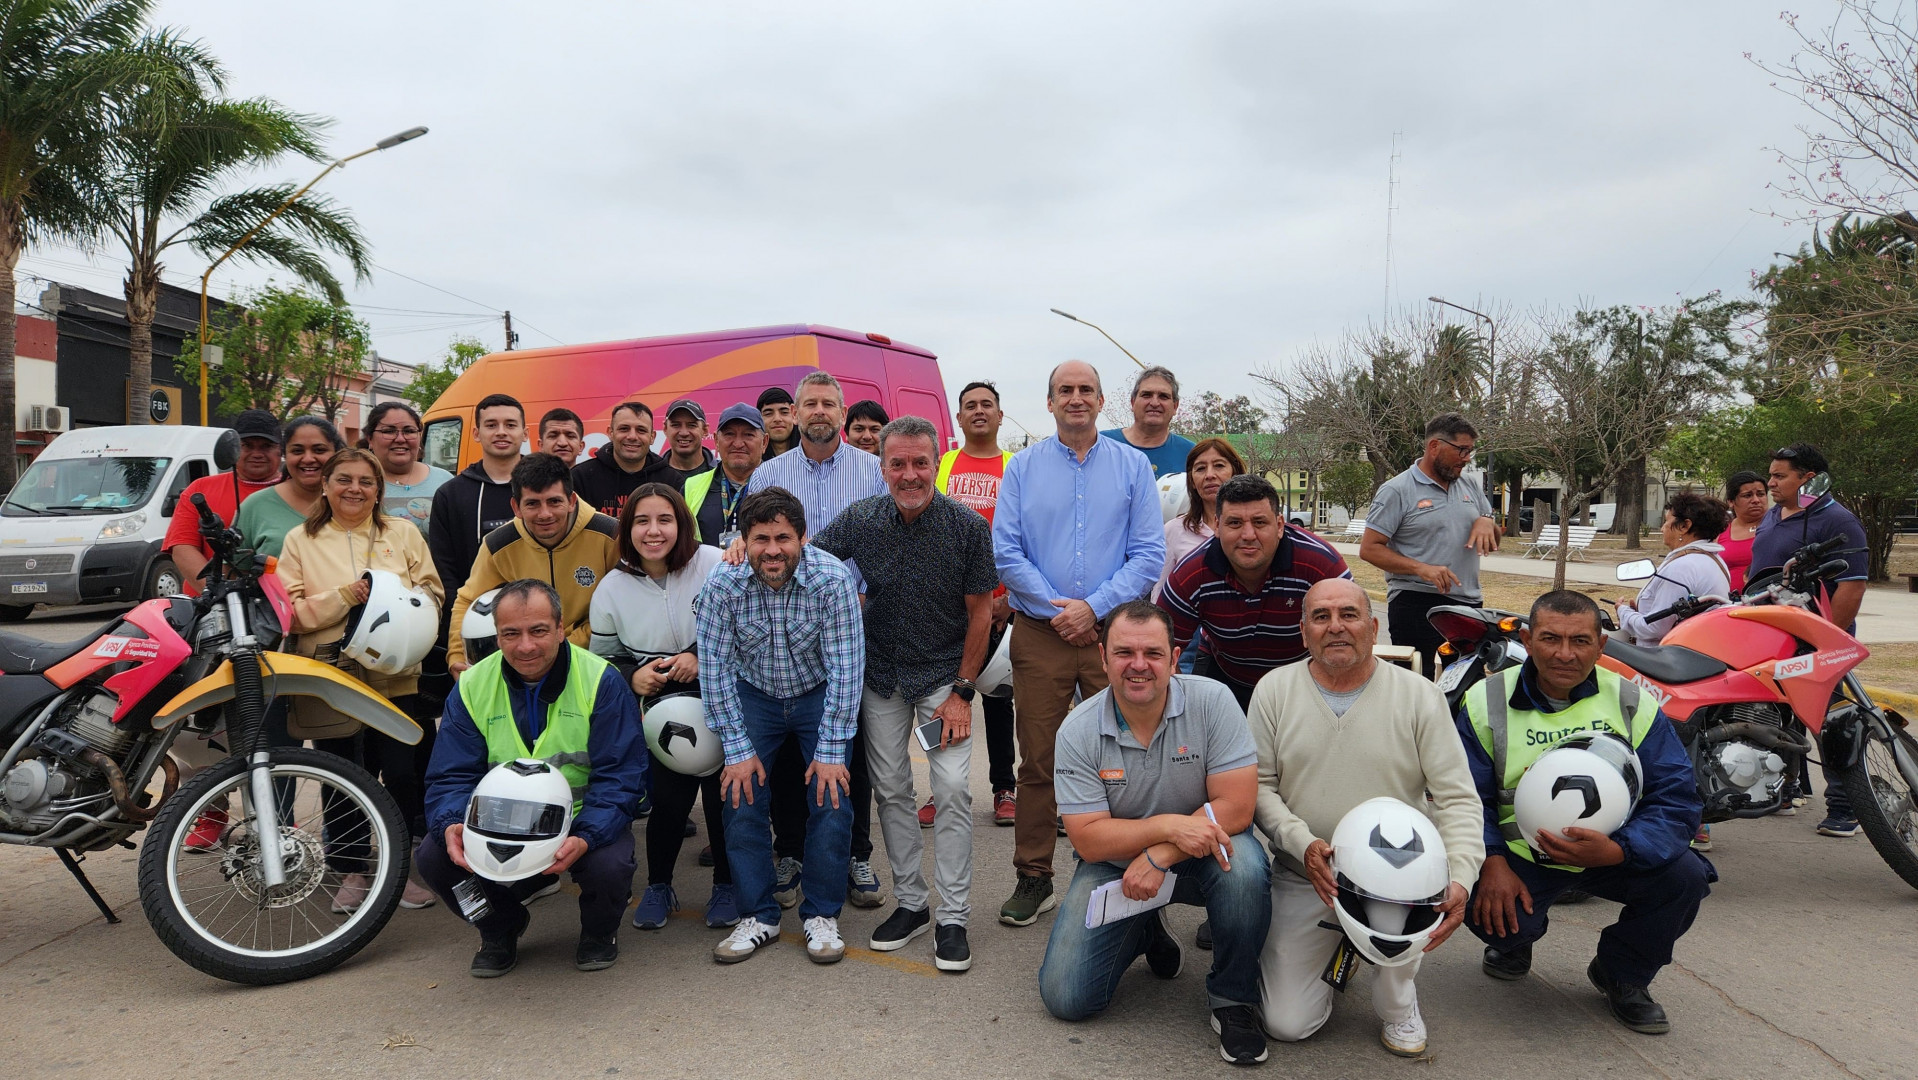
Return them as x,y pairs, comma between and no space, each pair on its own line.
205,334
1109,337
1491,382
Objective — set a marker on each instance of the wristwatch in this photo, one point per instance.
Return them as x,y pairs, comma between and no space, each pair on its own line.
965,688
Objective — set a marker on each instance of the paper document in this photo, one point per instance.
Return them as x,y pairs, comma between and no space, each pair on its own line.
1109,904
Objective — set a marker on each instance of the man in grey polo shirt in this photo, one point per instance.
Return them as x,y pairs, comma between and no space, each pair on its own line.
1157,773
1426,529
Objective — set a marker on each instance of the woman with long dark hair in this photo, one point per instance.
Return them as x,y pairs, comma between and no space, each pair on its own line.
267,516
394,434
642,618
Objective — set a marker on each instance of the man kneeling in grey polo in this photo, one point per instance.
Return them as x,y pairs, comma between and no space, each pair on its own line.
1157,775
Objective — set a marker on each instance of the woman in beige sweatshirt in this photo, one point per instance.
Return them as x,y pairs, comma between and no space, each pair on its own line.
322,565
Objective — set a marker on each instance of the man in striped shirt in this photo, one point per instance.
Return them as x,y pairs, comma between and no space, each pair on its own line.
1246,587
782,653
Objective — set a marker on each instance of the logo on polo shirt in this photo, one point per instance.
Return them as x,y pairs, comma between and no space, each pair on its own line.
1424,504
1184,756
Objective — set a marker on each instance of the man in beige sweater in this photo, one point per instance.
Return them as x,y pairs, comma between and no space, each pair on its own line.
1331,733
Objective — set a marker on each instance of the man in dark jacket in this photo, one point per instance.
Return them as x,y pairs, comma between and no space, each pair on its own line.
469,506
604,480
1645,864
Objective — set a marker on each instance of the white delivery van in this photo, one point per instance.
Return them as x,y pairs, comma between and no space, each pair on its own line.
85,523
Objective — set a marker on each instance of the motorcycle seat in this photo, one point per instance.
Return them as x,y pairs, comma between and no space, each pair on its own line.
23,655
1665,663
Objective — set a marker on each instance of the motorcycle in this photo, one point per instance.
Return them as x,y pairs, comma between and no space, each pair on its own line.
241,863
1752,686
1478,641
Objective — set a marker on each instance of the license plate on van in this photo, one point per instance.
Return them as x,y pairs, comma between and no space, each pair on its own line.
29,587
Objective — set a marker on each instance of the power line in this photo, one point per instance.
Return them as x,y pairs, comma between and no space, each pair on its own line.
436,288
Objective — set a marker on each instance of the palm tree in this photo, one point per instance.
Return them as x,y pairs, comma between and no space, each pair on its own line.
67,67
178,151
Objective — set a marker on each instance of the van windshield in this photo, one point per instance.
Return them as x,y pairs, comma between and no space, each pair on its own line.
99,485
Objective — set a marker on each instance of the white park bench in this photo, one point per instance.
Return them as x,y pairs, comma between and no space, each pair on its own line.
1577,540
1354,529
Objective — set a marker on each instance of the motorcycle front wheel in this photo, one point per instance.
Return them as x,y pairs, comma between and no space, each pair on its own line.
1881,788
201,883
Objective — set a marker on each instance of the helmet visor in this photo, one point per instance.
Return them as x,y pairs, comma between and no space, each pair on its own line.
515,819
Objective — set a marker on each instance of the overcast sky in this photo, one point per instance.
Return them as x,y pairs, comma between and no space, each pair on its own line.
1206,180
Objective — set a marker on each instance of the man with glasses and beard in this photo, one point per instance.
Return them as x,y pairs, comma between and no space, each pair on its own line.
1426,529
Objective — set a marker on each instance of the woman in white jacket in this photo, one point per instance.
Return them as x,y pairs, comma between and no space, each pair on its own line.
1692,523
642,618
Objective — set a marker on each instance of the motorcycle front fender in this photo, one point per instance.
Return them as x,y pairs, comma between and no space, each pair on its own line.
287,674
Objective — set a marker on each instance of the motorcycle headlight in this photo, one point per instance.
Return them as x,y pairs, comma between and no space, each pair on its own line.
126,526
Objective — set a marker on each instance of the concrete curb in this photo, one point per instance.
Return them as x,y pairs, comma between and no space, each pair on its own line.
1895,699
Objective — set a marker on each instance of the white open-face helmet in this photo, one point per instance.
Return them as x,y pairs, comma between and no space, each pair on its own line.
995,679
677,734
1591,780
1174,499
517,819
1390,865
394,629
482,638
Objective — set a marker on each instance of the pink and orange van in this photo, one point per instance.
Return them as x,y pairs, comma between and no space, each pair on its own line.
715,369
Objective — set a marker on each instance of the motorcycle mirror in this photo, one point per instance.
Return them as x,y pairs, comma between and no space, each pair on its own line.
1819,484
226,450
1638,570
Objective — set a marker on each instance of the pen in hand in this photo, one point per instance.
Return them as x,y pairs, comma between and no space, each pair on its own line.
1213,818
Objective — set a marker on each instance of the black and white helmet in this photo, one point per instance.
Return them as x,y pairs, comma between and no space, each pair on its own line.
1389,862
1591,780
482,638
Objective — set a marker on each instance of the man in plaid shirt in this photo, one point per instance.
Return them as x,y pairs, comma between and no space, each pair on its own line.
782,652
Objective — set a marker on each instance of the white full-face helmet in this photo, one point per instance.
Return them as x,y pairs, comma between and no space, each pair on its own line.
518,817
677,734
1174,499
1389,861
1591,780
482,638
395,629
995,679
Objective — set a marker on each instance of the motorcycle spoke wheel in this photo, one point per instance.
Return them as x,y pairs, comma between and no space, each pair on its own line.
1882,796
343,850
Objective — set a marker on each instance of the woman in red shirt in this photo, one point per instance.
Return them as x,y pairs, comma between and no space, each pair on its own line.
1745,491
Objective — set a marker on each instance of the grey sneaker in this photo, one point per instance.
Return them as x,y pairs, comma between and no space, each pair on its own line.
786,881
1031,898
747,938
862,885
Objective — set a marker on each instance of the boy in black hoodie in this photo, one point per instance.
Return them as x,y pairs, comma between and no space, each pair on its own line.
478,500
604,480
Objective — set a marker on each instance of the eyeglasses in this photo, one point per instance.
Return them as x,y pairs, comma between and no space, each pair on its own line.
1464,451
397,432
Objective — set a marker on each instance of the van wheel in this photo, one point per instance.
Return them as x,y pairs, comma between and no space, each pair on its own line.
163,580
15,614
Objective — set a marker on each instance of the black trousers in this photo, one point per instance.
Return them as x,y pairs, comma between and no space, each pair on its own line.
1001,743
604,876
673,797
397,767
787,777
1405,620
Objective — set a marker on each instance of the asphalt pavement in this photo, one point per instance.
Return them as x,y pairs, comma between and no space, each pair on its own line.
1801,965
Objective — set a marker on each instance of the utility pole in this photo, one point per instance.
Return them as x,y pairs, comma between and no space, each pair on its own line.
512,339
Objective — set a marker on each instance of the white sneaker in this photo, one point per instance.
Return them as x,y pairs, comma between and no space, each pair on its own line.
541,894
823,943
748,937
1406,1038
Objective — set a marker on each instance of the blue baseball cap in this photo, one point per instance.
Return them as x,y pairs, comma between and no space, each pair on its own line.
741,411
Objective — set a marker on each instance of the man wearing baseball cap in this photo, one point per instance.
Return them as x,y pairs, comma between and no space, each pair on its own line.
776,411
257,469
714,495
686,453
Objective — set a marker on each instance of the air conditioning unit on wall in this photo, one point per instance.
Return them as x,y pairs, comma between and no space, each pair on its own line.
47,418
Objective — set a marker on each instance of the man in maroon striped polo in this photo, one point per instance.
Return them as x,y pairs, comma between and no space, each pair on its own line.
1246,587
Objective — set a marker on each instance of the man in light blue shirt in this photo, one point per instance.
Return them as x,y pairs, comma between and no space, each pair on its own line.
827,475
1155,398
1076,533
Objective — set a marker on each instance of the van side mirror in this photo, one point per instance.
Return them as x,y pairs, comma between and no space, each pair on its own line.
226,450
1636,571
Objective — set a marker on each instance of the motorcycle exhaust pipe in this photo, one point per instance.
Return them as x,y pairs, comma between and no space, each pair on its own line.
1765,735
122,796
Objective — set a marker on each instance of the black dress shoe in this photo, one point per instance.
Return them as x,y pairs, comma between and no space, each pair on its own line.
596,954
1508,964
1632,1005
706,855
1203,939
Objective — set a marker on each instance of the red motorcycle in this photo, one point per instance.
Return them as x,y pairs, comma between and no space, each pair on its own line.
1751,687
243,862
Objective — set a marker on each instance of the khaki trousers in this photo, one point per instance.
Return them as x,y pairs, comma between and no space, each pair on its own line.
1045,673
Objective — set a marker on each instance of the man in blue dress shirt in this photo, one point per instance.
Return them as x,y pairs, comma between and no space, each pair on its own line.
1076,533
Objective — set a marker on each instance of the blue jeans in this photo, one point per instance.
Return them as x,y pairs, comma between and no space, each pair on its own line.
1659,904
749,834
1082,967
